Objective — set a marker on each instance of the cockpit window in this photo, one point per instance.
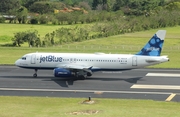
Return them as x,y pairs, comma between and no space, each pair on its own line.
23,58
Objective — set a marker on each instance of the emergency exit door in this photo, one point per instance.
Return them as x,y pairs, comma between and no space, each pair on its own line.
134,61
33,59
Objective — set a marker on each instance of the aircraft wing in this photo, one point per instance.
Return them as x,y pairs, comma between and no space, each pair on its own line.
75,67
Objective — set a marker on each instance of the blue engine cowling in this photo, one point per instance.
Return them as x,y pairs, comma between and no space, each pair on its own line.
60,72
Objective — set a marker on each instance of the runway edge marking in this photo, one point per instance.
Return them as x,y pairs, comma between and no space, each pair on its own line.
83,91
139,86
163,74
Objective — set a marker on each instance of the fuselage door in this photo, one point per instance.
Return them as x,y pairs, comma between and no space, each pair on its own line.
134,61
33,59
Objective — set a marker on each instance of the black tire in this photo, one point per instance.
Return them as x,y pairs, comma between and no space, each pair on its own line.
35,75
89,74
82,77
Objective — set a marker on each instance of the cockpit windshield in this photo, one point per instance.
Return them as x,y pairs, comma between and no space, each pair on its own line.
23,58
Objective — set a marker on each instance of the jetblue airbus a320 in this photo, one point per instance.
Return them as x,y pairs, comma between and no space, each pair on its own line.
80,65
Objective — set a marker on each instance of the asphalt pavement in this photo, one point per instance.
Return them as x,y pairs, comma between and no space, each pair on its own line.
153,84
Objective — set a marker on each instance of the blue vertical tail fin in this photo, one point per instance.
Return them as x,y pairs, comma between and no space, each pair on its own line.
155,44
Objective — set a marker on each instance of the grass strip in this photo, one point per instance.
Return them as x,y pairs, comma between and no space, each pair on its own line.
69,107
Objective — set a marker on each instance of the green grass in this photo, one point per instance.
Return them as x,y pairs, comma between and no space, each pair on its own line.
8,30
129,43
62,107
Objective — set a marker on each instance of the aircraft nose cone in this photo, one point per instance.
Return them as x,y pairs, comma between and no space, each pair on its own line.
17,63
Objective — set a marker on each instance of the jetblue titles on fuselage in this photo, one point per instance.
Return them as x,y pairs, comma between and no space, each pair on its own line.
50,58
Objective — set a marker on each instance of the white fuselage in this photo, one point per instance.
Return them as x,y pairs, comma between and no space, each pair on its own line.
98,61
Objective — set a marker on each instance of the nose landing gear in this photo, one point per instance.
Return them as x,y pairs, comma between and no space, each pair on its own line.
35,74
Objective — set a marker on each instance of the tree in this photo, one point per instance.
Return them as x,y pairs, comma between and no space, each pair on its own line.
7,5
118,4
105,4
43,19
85,5
137,7
21,15
18,39
2,19
31,37
28,3
68,2
173,6
49,39
45,7
108,4
41,7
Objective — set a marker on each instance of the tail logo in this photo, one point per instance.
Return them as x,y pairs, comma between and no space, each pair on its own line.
154,46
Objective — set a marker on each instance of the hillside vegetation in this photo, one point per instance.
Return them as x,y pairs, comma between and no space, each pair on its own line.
104,18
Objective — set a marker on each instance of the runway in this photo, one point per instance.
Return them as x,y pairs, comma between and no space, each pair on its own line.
153,84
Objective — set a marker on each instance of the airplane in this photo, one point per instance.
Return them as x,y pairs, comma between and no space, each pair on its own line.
81,65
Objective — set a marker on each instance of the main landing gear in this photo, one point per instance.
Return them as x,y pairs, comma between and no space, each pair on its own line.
82,75
35,74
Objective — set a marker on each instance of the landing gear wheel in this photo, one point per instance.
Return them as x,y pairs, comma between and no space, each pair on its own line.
35,75
89,74
82,77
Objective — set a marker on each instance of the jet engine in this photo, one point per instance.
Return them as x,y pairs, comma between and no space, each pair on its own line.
60,72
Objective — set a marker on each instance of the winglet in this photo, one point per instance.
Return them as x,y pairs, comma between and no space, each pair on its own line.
154,46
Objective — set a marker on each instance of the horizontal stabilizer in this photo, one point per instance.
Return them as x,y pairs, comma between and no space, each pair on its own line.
153,60
157,59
